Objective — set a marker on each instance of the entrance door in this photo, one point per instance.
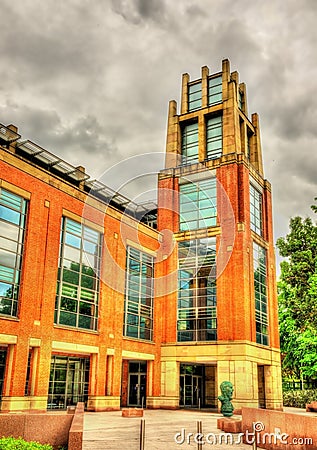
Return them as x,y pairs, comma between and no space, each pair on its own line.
191,386
261,387
69,381
137,384
3,357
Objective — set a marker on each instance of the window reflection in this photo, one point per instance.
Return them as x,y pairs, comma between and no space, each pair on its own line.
78,287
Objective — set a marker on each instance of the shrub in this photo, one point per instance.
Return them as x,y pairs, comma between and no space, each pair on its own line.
299,399
10,443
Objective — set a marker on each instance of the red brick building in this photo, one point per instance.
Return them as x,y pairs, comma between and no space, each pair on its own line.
102,303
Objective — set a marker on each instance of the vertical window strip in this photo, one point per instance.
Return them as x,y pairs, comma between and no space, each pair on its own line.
260,293
214,90
214,137
139,295
194,96
198,205
12,233
190,144
240,100
248,146
197,314
3,358
78,276
256,210
27,388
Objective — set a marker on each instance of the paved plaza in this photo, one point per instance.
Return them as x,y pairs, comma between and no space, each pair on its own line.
109,430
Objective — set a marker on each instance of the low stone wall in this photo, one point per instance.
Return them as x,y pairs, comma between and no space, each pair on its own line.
45,428
280,430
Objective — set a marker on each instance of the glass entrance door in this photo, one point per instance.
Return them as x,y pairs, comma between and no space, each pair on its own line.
191,386
69,381
137,384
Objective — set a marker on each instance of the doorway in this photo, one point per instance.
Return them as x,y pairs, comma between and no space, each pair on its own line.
137,383
192,386
261,386
69,381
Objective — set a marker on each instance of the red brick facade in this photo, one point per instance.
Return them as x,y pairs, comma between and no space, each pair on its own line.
113,373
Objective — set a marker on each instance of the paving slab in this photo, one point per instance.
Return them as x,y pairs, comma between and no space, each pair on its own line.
109,430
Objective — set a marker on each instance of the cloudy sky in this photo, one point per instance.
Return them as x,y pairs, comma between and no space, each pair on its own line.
90,80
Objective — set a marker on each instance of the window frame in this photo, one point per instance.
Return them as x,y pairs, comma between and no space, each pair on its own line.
215,90
189,132
13,217
260,294
256,209
197,291
194,96
195,198
77,302
138,320
213,125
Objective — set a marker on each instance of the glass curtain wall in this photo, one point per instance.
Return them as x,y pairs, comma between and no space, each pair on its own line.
197,313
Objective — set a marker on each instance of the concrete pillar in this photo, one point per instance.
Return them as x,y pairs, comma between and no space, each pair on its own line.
184,104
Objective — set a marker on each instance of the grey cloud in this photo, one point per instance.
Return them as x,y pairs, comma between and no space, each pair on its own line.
72,141
136,11
90,81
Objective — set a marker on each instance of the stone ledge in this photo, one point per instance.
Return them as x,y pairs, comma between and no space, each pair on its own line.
132,412
75,436
229,424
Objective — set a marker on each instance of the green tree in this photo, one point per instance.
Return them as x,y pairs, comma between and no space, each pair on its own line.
298,273
298,299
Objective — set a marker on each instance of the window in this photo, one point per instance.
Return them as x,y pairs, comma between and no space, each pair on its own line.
215,90
197,315
194,96
214,137
3,357
190,144
198,205
249,146
12,231
241,100
27,388
78,277
138,309
260,292
69,381
255,210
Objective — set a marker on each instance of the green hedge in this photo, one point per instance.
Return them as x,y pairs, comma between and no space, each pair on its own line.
298,398
10,443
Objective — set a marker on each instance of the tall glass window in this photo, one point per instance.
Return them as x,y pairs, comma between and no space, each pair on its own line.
256,210
260,292
214,137
198,205
190,144
138,308
78,276
197,314
215,90
194,96
69,381
12,231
